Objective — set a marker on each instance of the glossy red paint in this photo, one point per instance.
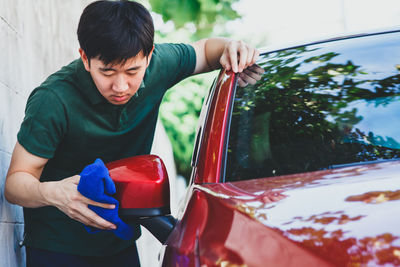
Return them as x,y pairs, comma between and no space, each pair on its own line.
212,150
141,182
343,216
213,233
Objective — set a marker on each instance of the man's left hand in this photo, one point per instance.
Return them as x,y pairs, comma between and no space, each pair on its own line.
238,55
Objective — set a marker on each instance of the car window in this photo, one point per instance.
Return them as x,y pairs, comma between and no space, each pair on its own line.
317,107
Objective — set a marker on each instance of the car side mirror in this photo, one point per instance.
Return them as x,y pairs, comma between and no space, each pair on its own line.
143,193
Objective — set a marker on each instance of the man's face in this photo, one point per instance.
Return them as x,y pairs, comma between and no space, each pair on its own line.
117,82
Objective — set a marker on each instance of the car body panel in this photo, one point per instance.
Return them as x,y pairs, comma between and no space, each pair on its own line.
311,219
209,166
346,216
214,237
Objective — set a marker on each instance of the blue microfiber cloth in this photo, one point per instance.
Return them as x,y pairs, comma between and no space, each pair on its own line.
96,184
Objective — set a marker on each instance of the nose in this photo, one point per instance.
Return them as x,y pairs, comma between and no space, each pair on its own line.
120,84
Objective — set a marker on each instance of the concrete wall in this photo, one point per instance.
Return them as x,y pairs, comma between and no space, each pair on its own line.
36,39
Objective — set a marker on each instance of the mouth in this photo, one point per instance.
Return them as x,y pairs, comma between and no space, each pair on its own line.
122,98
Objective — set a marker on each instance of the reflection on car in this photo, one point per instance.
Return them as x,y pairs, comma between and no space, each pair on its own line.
317,107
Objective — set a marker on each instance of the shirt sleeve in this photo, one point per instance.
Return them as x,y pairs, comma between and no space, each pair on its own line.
175,61
44,124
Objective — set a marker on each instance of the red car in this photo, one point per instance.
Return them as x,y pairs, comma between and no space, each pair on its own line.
300,169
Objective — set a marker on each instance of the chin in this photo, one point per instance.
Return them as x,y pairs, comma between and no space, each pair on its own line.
118,103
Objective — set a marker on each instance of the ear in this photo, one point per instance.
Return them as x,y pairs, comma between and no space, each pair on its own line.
85,59
149,56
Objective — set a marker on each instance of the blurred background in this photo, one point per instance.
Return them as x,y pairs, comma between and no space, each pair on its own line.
38,37
258,22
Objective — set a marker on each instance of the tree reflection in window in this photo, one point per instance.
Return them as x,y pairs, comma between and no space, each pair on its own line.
317,107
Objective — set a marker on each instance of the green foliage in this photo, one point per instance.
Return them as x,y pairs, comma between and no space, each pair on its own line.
182,104
205,14
179,113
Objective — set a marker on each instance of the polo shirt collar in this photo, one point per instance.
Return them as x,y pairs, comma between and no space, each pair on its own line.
88,86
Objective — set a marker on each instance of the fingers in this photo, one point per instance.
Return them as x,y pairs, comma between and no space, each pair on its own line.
233,53
75,179
97,221
73,195
237,56
250,58
78,209
243,56
69,200
80,212
256,54
228,59
88,201
224,62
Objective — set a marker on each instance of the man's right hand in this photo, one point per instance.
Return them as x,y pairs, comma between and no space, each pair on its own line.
24,188
65,196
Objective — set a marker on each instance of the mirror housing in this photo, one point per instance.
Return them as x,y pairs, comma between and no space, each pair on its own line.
143,193
142,185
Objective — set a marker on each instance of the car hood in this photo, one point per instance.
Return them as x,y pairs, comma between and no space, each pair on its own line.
346,215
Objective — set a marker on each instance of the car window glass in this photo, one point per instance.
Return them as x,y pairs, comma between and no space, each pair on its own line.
318,107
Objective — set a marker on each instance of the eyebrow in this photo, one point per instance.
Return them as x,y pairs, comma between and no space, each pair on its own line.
111,69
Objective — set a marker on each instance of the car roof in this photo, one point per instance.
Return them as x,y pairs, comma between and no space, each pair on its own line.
279,47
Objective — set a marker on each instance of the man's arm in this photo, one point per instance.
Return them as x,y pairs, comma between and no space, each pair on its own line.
24,188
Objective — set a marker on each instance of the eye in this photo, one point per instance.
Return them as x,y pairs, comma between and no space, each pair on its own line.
107,73
131,73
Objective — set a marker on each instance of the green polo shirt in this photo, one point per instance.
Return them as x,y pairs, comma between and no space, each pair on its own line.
70,123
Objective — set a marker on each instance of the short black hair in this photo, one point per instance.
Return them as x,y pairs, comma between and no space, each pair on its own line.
115,31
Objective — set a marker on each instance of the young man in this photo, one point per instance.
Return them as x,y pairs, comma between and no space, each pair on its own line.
103,105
